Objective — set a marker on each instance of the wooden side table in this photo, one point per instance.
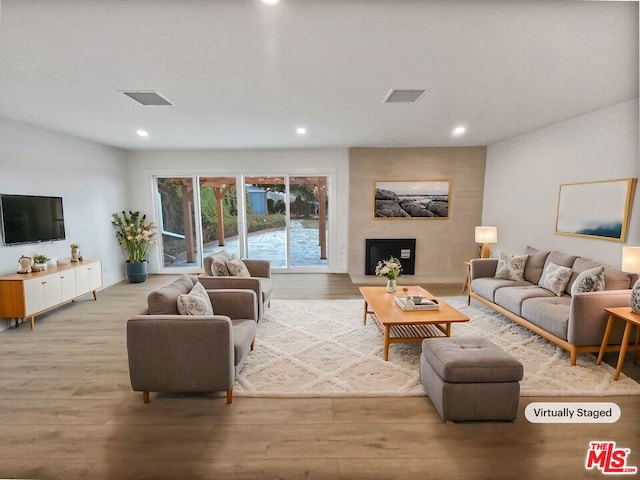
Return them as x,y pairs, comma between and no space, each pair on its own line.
631,319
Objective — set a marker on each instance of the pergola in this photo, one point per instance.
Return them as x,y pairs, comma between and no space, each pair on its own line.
221,185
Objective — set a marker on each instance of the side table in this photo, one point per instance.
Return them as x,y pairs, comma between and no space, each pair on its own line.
467,283
631,319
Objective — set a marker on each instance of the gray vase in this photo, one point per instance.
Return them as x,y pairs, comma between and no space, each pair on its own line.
136,271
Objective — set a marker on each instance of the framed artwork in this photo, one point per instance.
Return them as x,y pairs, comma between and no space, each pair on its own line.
425,199
595,209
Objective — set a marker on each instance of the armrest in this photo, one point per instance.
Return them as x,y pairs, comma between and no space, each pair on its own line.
241,283
258,268
163,350
587,319
483,267
235,303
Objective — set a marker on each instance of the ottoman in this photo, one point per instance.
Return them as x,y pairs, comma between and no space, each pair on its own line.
470,378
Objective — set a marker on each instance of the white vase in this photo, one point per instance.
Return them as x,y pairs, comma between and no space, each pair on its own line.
392,285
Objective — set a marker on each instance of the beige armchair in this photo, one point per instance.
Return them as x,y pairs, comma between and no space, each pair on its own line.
169,352
260,280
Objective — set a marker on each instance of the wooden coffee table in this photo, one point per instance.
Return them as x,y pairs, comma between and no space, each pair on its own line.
400,326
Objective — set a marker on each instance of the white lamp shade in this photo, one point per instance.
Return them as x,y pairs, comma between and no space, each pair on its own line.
631,259
486,234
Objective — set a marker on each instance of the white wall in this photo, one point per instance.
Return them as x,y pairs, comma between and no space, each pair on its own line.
331,162
523,175
91,179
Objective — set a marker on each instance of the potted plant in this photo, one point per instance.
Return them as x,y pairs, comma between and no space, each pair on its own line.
40,262
136,235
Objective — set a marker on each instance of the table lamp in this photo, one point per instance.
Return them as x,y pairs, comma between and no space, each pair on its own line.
631,264
486,235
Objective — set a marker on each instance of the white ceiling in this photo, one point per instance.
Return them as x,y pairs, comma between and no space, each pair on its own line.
244,75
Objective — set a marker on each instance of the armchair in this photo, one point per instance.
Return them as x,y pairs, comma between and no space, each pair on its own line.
169,352
259,281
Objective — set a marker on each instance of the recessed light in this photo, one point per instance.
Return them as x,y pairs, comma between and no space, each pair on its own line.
459,130
270,2
143,133
301,131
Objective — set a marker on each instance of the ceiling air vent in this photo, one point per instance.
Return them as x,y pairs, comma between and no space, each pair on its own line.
403,96
148,98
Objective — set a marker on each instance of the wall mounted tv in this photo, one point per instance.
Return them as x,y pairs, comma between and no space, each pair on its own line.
31,219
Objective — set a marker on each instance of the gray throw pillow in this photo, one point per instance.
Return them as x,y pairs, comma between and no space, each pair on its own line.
555,278
196,302
237,268
219,266
591,280
511,267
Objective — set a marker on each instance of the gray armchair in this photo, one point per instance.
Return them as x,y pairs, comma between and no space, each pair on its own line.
260,280
169,352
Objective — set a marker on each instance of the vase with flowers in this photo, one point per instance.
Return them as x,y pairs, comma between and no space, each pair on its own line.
75,252
390,269
136,235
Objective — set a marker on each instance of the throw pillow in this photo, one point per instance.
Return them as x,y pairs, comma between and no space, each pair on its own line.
219,267
511,267
237,268
196,302
591,280
555,278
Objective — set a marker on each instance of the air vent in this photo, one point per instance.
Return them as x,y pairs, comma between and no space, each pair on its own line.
148,98
403,96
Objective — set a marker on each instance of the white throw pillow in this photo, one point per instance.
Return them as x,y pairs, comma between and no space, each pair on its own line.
555,278
237,268
196,302
591,280
511,267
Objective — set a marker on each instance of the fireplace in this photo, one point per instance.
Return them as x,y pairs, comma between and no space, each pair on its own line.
404,249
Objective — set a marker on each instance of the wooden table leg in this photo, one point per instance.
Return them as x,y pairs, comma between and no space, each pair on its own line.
635,355
386,342
605,338
623,349
32,320
364,319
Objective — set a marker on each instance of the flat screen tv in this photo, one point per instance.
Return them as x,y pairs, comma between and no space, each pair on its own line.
31,219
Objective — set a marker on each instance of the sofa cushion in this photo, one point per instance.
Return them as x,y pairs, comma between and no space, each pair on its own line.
555,278
580,265
616,279
591,280
560,258
219,266
511,267
511,298
196,302
535,264
549,313
164,300
486,286
237,268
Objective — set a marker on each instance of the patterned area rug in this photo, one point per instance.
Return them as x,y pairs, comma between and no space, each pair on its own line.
320,348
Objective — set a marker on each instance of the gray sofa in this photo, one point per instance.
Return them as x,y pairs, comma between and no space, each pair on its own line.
574,322
259,280
169,352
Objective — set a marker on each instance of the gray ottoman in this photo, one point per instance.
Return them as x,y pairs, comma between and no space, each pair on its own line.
470,378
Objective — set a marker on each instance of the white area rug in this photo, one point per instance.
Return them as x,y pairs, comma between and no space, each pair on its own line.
320,348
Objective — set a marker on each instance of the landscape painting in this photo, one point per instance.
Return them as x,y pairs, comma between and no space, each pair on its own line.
595,209
428,199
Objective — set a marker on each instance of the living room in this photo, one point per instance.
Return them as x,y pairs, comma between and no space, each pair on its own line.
582,126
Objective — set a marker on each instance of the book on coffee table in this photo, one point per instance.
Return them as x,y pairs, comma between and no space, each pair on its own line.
407,304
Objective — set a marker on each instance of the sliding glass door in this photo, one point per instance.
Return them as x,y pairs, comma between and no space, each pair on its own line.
282,219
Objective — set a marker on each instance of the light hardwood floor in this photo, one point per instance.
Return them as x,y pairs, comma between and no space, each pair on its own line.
67,412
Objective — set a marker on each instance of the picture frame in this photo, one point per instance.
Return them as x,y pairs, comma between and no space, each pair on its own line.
411,199
597,209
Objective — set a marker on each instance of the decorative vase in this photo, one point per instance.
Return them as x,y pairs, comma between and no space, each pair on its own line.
635,297
74,254
392,285
136,271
